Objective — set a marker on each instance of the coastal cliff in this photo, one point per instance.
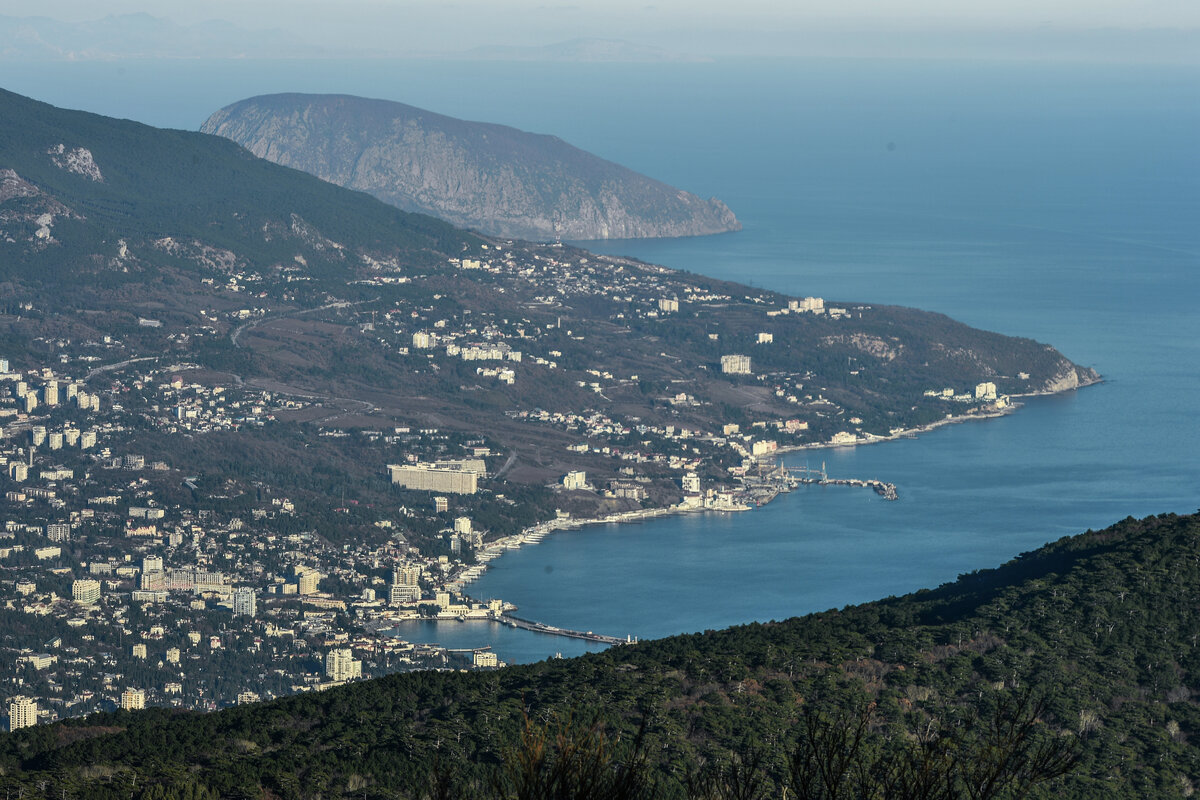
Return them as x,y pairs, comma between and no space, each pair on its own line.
491,178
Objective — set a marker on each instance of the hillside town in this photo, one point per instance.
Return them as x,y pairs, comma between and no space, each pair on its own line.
122,587
179,534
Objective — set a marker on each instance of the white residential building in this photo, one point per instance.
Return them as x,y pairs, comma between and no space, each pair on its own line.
133,700
22,713
735,364
244,602
85,591
340,665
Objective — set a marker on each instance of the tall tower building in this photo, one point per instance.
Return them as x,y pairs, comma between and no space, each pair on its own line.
22,713
244,602
406,575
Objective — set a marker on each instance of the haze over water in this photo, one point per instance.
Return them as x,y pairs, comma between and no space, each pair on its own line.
1057,202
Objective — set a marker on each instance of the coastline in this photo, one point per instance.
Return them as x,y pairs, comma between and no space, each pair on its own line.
912,433
535,533
906,433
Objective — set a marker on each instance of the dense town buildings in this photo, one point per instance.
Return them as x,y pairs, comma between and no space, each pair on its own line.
140,540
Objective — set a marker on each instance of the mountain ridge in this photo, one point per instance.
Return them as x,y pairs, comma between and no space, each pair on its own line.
488,177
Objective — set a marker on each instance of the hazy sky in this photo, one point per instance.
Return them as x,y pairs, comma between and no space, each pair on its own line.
701,27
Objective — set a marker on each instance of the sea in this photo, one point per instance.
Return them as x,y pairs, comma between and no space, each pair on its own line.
1056,201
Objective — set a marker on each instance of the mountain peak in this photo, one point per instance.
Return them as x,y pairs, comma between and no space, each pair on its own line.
492,178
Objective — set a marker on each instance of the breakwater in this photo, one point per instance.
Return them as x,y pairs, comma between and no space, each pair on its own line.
814,477
539,627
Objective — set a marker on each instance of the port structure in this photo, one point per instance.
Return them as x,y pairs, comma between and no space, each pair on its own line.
810,476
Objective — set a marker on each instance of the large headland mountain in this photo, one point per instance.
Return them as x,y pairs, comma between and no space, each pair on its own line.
1099,629
491,178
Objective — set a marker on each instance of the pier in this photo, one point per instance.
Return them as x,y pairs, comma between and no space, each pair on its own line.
538,627
818,477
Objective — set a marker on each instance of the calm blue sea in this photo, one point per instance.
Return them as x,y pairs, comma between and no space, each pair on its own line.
1059,202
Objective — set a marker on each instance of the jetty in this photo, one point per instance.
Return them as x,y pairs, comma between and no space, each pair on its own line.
539,627
818,477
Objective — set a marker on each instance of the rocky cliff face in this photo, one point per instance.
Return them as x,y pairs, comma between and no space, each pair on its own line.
492,178
1070,376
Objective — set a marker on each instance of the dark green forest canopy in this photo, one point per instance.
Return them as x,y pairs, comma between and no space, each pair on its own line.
160,182
1103,625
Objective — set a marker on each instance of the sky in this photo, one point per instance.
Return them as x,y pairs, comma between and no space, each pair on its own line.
1101,29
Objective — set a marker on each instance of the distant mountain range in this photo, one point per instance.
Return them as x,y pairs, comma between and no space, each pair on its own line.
491,178
118,36
585,50
140,35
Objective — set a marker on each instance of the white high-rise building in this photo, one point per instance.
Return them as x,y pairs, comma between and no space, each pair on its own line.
735,364
85,591
244,602
307,580
133,700
407,575
985,391
816,305
340,665
22,713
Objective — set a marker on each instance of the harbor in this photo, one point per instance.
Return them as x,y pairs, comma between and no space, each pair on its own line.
754,489
770,480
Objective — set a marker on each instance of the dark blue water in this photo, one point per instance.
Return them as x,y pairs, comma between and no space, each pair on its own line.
1057,202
